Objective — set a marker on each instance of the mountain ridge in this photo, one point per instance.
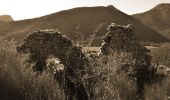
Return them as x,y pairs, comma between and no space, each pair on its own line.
81,22
157,18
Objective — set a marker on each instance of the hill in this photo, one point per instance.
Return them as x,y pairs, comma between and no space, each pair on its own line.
158,18
6,18
81,23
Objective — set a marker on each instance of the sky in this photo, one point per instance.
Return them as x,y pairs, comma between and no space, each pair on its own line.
26,9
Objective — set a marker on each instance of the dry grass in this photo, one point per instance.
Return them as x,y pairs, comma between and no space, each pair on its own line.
160,91
161,55
18,82
111,82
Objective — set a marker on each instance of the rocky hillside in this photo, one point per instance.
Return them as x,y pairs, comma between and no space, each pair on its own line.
158,18
6,18
81,23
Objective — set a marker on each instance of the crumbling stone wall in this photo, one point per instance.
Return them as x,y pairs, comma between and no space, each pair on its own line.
43,43
122,39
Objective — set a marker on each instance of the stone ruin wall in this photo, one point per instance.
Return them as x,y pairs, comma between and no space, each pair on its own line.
122,39
44,43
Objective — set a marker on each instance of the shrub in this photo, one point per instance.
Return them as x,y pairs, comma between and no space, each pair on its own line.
161,55
20,83
160,91
111,82
107,81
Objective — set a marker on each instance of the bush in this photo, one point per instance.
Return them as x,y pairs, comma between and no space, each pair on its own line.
159,91
20,83
107,80
161,55
111,82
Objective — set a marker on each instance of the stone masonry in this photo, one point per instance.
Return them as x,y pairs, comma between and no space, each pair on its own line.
43,43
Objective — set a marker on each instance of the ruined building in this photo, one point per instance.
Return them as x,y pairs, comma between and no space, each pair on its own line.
122,39
44,43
